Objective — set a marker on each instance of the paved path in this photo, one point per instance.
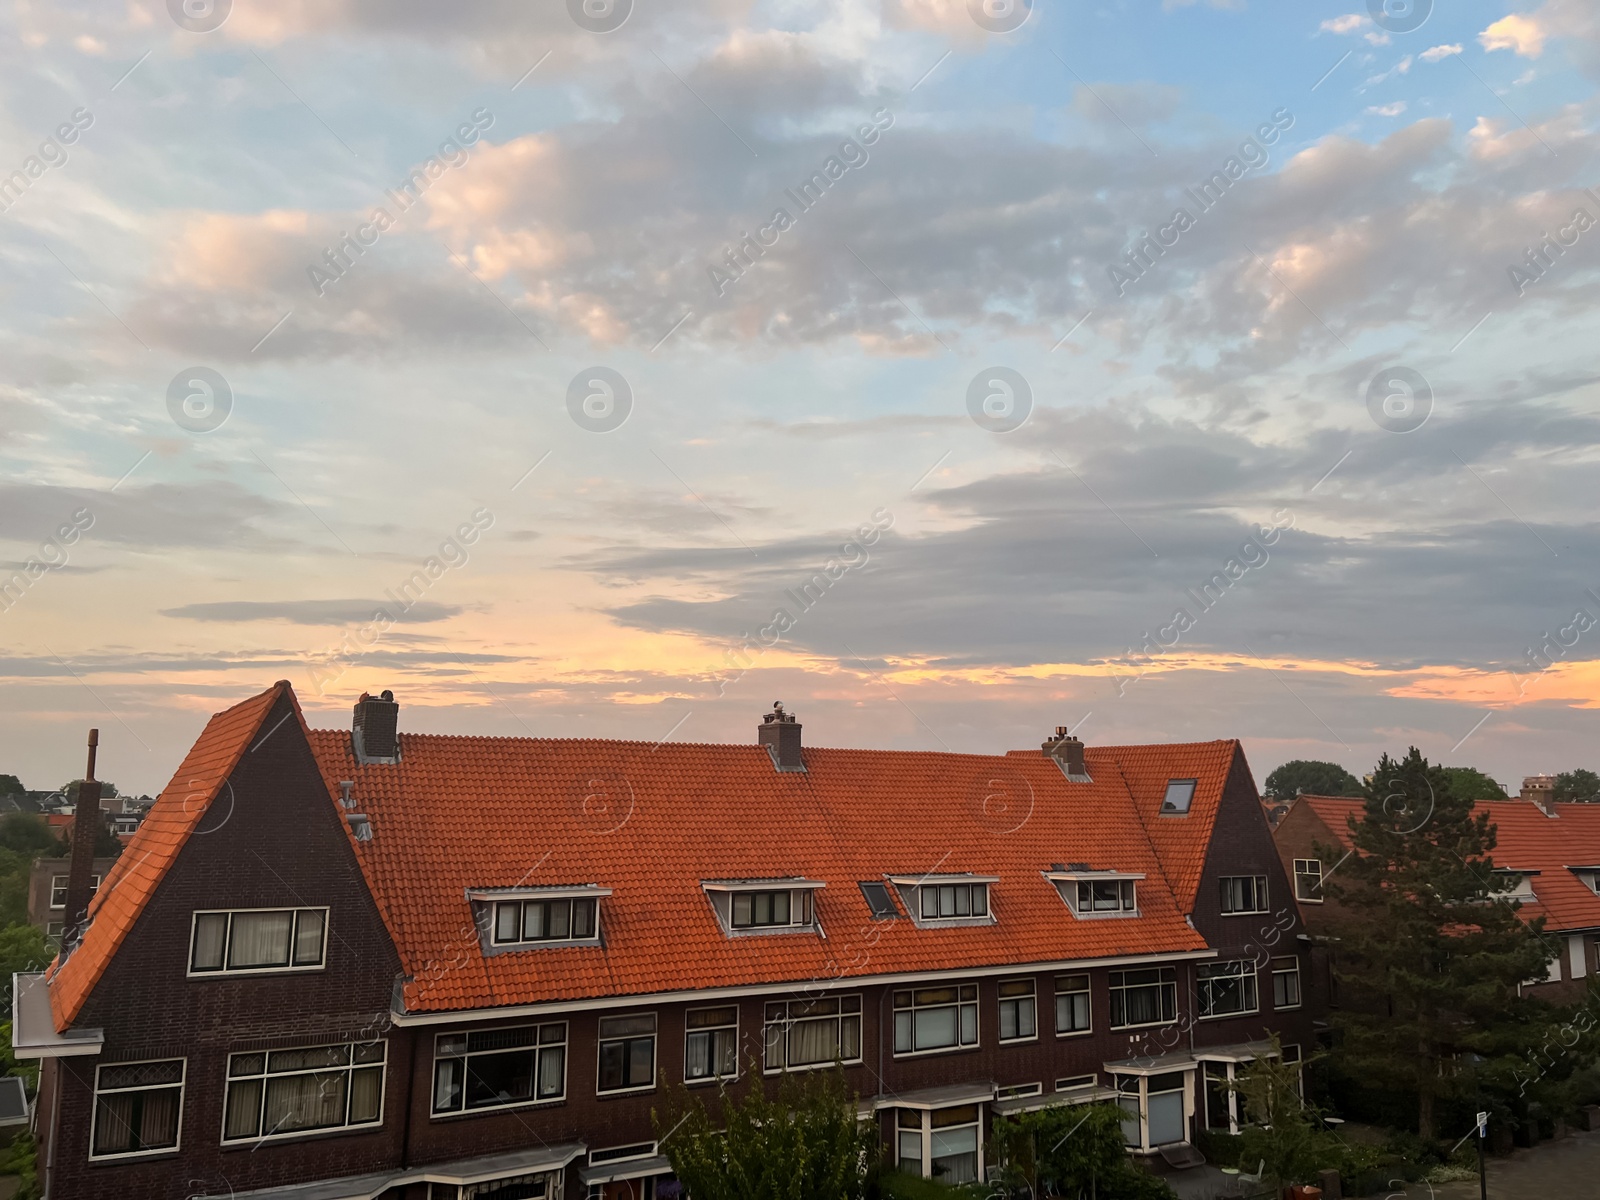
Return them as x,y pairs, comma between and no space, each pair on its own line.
1551,1171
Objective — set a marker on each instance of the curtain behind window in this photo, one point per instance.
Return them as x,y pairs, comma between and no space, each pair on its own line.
260,939
305,1102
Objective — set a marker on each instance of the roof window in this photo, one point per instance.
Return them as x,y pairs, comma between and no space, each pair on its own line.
1180,793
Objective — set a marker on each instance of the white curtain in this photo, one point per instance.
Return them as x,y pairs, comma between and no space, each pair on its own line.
813,1042
260,939
244,1109
305,1102
210,934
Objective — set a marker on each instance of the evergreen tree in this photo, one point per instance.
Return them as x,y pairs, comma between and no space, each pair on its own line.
1431,951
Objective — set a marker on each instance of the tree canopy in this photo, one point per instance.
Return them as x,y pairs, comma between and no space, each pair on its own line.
1312,777
1580,785
10,785
1472,784
1431,950
1073,1150
804,1145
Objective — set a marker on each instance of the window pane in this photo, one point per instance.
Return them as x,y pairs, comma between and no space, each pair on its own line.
552,1071
447,1076
311,1057
935,1027
366,1094
850,1038
697,1056
641,1061
260,939
780,908
963,898
980,899
727,1054
308,938
504,1078
210,935
583,918
507,921
969,1024
947,900
618,1027
742,904
314,1101
560,919
533,920
930,901
243,1119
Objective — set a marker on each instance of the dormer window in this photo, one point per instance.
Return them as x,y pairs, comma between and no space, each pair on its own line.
766,910
1588,876
1514,885
1092,893
763,906
1180,794
939,900
524,918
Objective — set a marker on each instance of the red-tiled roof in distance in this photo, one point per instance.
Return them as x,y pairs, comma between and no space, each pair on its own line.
1526,840
651,822
146,858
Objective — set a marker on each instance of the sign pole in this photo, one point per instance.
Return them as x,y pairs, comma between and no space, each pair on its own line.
1483,1176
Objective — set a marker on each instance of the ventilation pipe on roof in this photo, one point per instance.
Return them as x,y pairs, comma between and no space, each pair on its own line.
1067,751
374,734
80,870
779,732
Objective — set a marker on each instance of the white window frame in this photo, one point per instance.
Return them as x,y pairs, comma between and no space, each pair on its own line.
849,1009
263,1076
1141,1096
94,886
1068,884
1031,999
724,895
521,905
94,1120
716,1076
799,904
1087,991
1303,871
1249,977
1258,888
965,1003
539,1045
1166,982
915,889
1291,971
924,1131
225,971
600,1041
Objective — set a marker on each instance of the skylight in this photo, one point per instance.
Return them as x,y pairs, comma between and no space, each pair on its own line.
878,900
1179,794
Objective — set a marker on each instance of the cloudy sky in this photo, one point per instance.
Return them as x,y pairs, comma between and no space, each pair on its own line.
612,327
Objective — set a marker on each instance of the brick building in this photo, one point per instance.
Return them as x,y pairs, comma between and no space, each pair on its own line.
1547,857
369,964
47,891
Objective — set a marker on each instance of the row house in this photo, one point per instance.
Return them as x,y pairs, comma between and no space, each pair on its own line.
1546,859
369,964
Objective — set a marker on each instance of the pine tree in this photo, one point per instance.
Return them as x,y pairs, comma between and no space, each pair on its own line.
1430,950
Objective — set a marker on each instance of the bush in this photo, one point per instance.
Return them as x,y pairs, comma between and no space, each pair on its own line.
896,1185
1220,1149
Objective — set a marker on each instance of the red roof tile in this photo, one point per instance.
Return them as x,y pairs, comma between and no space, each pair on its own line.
145,859
652,822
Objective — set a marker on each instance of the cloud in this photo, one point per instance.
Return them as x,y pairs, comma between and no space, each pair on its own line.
163,515
1349,23
1435,53
1522,34
306,612
1387,110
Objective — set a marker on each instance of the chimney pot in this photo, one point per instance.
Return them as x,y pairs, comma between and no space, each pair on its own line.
374,732
80,868
779,732
1067,751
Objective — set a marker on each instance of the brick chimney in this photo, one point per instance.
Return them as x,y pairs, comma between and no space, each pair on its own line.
80,871
1067,751
779,732
375,734
1541,790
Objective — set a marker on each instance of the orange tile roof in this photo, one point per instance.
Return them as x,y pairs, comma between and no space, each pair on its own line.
651,822
1526,839
145,859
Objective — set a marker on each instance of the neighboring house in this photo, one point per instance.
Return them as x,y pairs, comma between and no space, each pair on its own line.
1547,854
47,892
369,965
